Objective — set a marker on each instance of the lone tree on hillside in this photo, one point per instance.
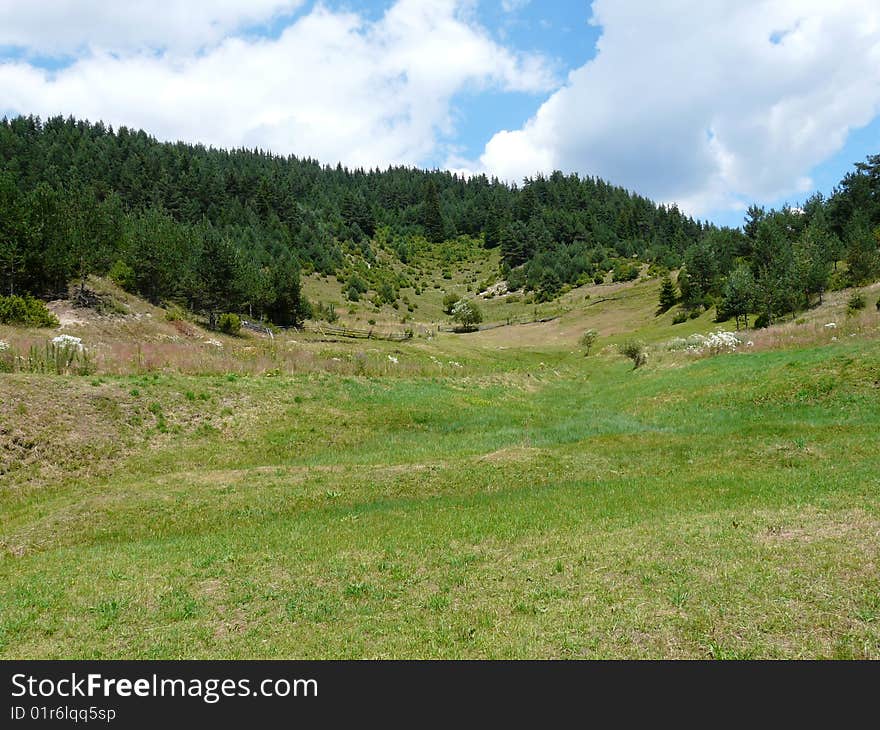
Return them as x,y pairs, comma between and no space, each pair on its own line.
668,295
588,339
635,351
467,315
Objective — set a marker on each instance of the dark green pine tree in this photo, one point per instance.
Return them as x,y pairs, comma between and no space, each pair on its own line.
526,206
668,295
493,229
432,217
754,215
216,269
862,259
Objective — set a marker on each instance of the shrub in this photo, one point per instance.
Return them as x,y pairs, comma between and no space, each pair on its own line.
762,321
450,299
122,275
229,323
599,278
878,305
635,351
26,312
856,303
326,312
588,339
356,287
680,317
175,313
625,272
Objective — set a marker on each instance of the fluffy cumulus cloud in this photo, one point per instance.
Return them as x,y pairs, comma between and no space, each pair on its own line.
332,85
708,103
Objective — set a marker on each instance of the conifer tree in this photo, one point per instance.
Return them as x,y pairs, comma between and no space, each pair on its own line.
668,295
432,217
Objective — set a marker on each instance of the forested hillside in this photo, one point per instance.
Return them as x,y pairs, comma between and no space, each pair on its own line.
213,227
784,260
231,230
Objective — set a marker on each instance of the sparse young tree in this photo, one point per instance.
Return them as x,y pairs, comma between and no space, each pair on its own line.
635,351
588,340
739,295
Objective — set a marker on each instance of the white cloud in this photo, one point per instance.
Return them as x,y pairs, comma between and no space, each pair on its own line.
708,103
332,86
58,27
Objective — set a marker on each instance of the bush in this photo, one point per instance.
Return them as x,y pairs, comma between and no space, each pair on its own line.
625,272
878,305
450,299
356,287
26,311
680,317
122,275
635,351
588,339
762,321
175,313
856,303
326,312
229,323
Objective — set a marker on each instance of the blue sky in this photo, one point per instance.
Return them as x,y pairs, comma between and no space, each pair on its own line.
711,105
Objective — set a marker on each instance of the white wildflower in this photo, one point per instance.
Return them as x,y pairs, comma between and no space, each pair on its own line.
393,359
214,343
714,343
831,325
3,345
68,342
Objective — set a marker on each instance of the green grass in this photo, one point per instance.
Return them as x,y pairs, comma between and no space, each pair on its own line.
726,507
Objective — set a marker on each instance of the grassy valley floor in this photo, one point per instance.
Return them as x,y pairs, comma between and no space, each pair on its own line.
554,507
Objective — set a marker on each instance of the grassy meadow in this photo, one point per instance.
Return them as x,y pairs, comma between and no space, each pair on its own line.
491,495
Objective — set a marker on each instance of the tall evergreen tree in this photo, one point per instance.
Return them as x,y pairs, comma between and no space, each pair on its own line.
668,295
432,217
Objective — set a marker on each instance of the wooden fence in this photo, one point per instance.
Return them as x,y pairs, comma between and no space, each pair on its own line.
334,331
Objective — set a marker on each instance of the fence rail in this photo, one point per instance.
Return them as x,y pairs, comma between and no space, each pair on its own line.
374,334
370,334
495,325
333,331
